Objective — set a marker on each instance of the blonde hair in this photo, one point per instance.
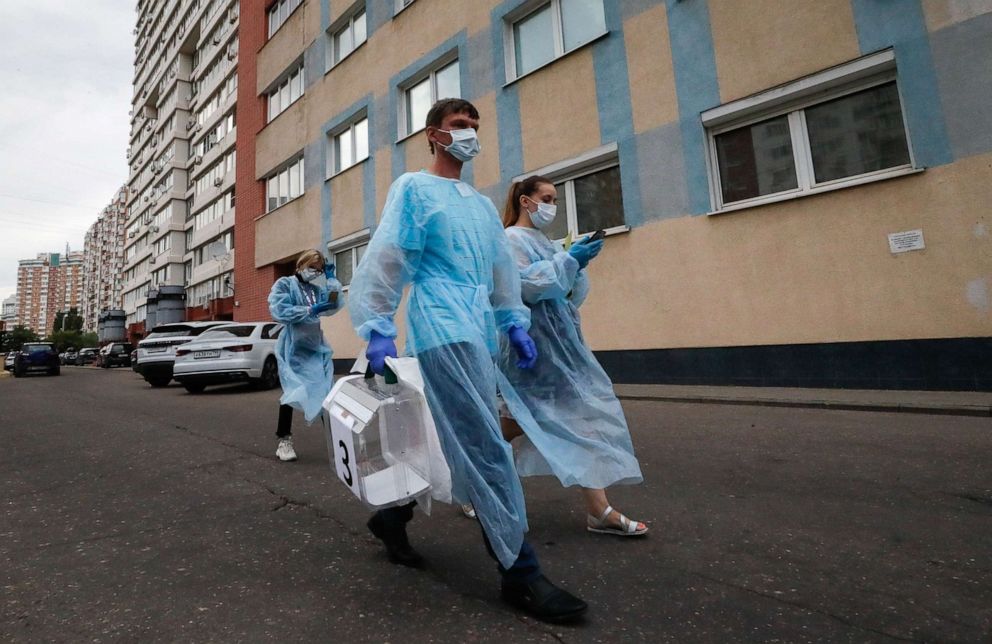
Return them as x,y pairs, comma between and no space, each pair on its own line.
307,257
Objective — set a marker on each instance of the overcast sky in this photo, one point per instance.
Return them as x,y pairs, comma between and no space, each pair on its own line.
66,71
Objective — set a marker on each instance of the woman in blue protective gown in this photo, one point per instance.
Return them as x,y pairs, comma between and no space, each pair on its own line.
575,428
306,371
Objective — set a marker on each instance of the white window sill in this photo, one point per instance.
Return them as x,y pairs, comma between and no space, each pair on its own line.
838,184
410,135
280,206
591,41
402,9
351,167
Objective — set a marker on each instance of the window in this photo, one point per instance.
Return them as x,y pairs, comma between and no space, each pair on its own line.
551,30
347,39
284,185
420,96
853,131
590,196
279,12
347,252
286,93
351,145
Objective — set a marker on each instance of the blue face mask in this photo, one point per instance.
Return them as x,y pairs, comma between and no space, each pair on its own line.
464,144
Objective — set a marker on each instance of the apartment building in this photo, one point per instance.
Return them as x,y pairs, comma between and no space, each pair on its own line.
8,312
46,285
180,227
103,261
797,201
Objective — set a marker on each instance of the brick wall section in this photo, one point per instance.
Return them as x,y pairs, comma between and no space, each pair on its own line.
251,285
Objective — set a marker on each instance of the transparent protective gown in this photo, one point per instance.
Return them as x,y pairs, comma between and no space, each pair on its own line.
574,427
306,372
445,239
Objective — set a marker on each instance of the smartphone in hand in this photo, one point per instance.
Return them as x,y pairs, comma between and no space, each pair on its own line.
599,234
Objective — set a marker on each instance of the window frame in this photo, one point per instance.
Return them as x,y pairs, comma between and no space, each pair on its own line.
285,82
567,171
351,242
558,26
275,8
792,99
346,23
351,125
285,168
428,73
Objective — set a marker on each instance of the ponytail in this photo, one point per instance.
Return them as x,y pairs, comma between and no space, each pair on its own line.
527,187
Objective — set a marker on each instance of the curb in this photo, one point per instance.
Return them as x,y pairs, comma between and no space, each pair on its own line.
980,411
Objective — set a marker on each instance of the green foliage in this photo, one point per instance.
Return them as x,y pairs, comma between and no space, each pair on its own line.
75,339
16,337
73,321
59,319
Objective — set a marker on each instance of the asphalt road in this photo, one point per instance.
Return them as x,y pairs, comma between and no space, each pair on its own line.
132,514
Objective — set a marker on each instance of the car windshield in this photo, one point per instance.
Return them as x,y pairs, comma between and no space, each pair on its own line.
243,331
36,348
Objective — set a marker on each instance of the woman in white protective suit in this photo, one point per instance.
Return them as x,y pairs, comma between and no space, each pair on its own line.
306,371
581,436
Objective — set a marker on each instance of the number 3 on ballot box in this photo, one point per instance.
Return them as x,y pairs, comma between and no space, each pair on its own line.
344,448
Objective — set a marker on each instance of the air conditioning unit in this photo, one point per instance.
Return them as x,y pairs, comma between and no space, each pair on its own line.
155,229
216,40
151,260
145,198
233,17
198,159
190,124
172,73
197,127
232,54
218,181
155,168
131,234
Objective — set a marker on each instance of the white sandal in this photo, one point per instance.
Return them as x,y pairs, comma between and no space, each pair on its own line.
627,527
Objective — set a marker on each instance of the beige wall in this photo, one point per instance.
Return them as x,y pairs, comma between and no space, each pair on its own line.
816,269
287,230
759,44
649,63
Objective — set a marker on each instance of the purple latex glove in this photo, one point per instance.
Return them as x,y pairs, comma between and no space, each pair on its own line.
380,347
524,346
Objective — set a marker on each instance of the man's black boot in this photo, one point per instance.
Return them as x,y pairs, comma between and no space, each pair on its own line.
543,600
393,536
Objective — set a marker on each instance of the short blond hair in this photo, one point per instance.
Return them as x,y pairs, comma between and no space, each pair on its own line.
307,257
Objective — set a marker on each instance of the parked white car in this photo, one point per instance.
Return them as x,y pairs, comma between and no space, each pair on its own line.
157,352
230,353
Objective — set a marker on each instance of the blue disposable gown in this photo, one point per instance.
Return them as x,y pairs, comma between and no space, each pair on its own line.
306,371
574,427
446,239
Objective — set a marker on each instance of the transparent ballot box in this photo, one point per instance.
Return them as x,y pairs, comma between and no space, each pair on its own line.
377,440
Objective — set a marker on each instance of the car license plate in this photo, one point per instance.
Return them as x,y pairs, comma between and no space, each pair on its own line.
206,354
157,350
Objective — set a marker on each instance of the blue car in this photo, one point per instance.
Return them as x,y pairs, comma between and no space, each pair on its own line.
37,357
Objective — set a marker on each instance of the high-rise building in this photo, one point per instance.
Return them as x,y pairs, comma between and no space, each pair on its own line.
180,224
9,312
46,285
793,202
103,261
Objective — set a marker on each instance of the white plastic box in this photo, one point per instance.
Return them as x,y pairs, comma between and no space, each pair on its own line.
377,441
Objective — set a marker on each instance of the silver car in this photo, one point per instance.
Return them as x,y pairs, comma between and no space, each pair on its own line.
244,352
157,352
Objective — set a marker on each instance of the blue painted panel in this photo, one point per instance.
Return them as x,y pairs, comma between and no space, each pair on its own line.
902,25
314,62
697,90
962,55
511,154
660,166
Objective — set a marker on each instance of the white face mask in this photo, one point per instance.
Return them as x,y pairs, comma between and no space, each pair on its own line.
310,274
464,144
544,215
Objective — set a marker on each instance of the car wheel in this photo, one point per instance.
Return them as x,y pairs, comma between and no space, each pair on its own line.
159,382
194,388
55,372
270,374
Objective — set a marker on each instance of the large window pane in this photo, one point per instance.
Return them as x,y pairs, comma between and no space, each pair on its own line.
283,187
599,200
344,150
756,160
342,43
359,29
533,40
448,85
418,103
343,266
284,96
582,20
859,133
294,181
361,140
273,193
296,85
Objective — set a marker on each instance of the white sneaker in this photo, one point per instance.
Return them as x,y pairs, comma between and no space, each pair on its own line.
285,451
469,511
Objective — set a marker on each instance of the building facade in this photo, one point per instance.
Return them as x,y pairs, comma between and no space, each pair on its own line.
791,198
9,312
46,285
180,227
103,261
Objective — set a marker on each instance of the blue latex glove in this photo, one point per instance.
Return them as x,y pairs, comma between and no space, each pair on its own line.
379,348
524,346
322,307
584,251
329,271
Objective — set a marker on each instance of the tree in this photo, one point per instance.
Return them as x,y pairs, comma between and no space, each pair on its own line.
59,319
18,336
73,321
